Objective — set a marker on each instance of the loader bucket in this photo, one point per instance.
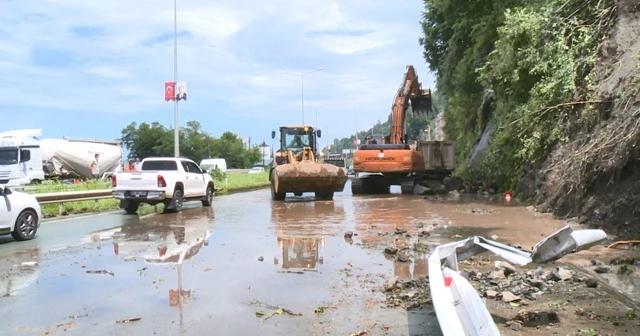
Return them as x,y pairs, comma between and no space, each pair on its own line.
308,176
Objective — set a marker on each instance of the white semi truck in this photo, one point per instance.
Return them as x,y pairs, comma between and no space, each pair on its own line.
25,159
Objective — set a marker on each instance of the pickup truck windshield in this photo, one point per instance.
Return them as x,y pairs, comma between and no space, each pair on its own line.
168,165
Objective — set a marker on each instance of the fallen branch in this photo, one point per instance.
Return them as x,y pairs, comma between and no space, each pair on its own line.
100,272
127,320
359,333
276,308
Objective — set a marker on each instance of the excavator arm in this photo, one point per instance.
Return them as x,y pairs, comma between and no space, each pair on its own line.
410,90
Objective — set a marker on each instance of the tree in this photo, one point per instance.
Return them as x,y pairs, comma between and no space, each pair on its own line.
154,139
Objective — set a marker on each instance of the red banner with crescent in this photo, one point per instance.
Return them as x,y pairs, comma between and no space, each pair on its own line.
169,91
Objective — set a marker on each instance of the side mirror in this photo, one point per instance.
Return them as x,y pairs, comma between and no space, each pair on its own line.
319,133
5,191
273,134
25,155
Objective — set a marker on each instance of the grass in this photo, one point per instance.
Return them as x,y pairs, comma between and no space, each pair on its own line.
242,181
234,183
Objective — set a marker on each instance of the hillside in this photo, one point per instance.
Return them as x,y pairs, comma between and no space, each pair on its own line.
552,89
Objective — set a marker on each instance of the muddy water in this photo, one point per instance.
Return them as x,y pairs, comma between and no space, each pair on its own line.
209,271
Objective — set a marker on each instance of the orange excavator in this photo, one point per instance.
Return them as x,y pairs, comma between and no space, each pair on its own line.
395,160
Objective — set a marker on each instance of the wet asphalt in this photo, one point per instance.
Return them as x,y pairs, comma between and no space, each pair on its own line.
209,271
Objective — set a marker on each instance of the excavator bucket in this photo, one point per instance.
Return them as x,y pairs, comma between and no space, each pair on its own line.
308,176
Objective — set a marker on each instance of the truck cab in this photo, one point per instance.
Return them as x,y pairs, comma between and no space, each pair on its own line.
20,158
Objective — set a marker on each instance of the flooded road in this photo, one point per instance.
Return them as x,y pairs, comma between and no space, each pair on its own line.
246,266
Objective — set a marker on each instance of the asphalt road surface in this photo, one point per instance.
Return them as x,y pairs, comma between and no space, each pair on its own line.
225,270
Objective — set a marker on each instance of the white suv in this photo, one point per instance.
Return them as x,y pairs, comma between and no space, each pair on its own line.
20,214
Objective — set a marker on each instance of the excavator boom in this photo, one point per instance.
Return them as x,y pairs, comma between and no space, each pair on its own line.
395,161
410,90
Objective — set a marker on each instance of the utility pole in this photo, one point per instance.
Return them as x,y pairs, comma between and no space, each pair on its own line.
356,119
176,128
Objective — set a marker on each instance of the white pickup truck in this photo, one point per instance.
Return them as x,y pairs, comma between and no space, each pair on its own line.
163,180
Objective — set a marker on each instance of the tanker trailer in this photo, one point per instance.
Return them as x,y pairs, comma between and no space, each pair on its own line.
69,158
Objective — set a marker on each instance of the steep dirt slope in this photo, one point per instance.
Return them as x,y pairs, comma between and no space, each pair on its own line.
596,176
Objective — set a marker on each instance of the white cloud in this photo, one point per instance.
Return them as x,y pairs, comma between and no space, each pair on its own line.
113,57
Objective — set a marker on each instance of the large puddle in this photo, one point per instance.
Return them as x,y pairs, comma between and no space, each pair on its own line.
206,270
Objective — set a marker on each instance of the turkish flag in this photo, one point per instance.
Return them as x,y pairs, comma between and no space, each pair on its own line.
169,91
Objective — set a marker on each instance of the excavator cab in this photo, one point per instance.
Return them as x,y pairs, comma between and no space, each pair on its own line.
296,168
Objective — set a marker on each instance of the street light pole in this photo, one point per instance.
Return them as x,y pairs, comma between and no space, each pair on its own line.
317,107
176,129
302,84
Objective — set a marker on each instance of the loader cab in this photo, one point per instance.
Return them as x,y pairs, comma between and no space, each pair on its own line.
295,138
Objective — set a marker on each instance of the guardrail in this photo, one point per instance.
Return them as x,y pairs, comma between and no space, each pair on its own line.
73,196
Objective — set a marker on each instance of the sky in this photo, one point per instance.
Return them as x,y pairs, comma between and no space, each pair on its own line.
86,69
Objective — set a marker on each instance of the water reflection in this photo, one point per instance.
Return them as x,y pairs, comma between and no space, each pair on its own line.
301,229
301,252
19,270
312,219
166,240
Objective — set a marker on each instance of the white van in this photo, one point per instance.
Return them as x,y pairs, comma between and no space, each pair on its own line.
209,164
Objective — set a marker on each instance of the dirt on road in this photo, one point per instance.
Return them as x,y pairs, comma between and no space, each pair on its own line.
352,266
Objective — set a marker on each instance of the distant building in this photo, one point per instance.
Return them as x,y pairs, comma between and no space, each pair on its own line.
246,142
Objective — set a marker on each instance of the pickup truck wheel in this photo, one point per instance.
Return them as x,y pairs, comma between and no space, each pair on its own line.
208,197
26,225
176,202
132,207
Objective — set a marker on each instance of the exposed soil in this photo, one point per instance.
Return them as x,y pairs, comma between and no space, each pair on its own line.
596,176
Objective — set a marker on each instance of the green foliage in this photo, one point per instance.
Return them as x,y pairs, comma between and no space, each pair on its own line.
154,139
533,56
218,176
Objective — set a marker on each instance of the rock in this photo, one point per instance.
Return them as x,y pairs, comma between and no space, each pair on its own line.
602,269
454,194
596,262
507,268
537,283
408,294
436,186
624,270
490,294
535,296
560,274
400,231
422,190
348,234
402,258
591,283
495,237
453,183
509,297
260,258
496,275
515,326
390,250
391,284
424,233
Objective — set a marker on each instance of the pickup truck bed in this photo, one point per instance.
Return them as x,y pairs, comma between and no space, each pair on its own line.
169,181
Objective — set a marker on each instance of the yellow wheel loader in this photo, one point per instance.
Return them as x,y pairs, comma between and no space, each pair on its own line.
295,168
